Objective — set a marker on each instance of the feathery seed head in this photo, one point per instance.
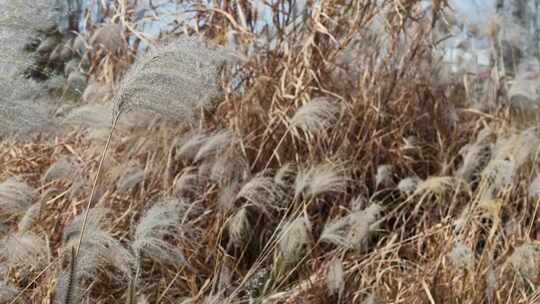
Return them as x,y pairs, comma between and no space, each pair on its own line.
15,195
435,184
384,176
22,117
359,203
408,185
229,166
362,224
24,16
215,143
461,256
316,116
142,299
96,217
473,155
491,282
323,178
130,179
262,192
99,249
295,240
91,115
25,251
190,145
67,289
64,168
371,299
285,175
335,277
501,173
7,292
76,82
176,80
227,196
526,260
225,279
79,185
205,169
96,92
509,154
186,182
30,215
163,220
352,230
534,187
239,227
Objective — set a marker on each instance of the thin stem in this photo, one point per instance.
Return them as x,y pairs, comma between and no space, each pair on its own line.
94,186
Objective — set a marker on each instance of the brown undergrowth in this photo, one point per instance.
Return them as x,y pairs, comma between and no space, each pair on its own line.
332,169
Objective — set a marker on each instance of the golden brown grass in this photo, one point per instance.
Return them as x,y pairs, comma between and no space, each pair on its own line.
304,180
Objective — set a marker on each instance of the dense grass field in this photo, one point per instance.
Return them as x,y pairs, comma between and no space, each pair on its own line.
327,154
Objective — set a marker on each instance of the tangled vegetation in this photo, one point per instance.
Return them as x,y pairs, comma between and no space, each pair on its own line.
329,158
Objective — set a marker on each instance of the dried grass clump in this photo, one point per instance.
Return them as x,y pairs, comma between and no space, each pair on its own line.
163,221
177,80
377,63
16,195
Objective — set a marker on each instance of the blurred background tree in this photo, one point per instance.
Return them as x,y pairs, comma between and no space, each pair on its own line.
519,29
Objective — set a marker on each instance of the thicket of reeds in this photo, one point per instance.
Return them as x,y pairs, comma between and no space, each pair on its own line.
328,158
